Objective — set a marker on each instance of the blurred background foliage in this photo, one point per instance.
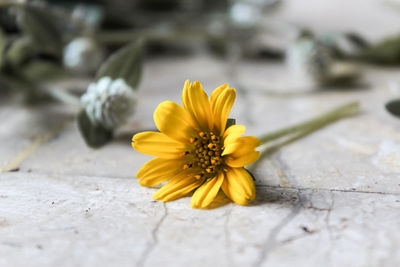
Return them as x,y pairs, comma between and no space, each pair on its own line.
45,42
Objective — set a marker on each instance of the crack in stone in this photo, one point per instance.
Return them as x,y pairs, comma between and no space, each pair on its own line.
328,215
283,170
257,185
328,189
310,232
270,242
294,238
153,243
328,226
311,205
228,247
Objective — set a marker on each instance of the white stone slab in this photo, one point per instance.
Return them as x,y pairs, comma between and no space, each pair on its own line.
22,124
329,199
49,220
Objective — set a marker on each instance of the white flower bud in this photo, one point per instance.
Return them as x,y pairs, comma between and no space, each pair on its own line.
91,14
313,63
245,14
83,55
109,102
309,61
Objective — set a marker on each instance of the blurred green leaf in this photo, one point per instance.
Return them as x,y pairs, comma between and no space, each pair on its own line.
386,52
20,51
95,136
393,107
126,63
3,45
10,82
357,39
40,25
41,71
31,92
342,73
230,122
218,45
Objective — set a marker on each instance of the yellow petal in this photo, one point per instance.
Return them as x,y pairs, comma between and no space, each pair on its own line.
243,160
187,104
241,146
238,185
241,151
195,101
179,186
215,94
207,192
158,145
232,133
172,120
221,108
158,170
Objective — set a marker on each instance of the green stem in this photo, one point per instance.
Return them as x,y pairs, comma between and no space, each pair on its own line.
313,124
125,36
62,95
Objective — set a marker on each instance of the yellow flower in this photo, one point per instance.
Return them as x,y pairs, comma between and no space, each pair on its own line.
194,151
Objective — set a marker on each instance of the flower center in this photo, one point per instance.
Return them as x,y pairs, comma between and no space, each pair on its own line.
206,153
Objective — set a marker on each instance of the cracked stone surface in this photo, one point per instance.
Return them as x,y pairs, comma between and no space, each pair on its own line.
330,199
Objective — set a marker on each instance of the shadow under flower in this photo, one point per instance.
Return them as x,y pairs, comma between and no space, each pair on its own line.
275,195
220,200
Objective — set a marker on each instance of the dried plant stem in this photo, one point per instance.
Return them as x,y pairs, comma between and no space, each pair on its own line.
61,95
315,123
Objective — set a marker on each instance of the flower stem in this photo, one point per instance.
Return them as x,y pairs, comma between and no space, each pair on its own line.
315,123
61,95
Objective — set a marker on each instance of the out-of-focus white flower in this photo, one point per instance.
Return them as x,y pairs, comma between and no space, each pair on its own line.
245,14
83,55
91,14
109,102
309,61
313,64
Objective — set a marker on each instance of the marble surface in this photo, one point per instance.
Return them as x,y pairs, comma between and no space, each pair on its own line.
331,198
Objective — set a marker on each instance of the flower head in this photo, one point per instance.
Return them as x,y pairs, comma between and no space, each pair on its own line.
309,60
195,151
108,102
83,55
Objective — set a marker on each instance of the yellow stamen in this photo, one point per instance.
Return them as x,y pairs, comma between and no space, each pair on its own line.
206,153
187,166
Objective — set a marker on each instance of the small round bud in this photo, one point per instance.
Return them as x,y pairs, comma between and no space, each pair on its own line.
109,102
83,55
309,61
